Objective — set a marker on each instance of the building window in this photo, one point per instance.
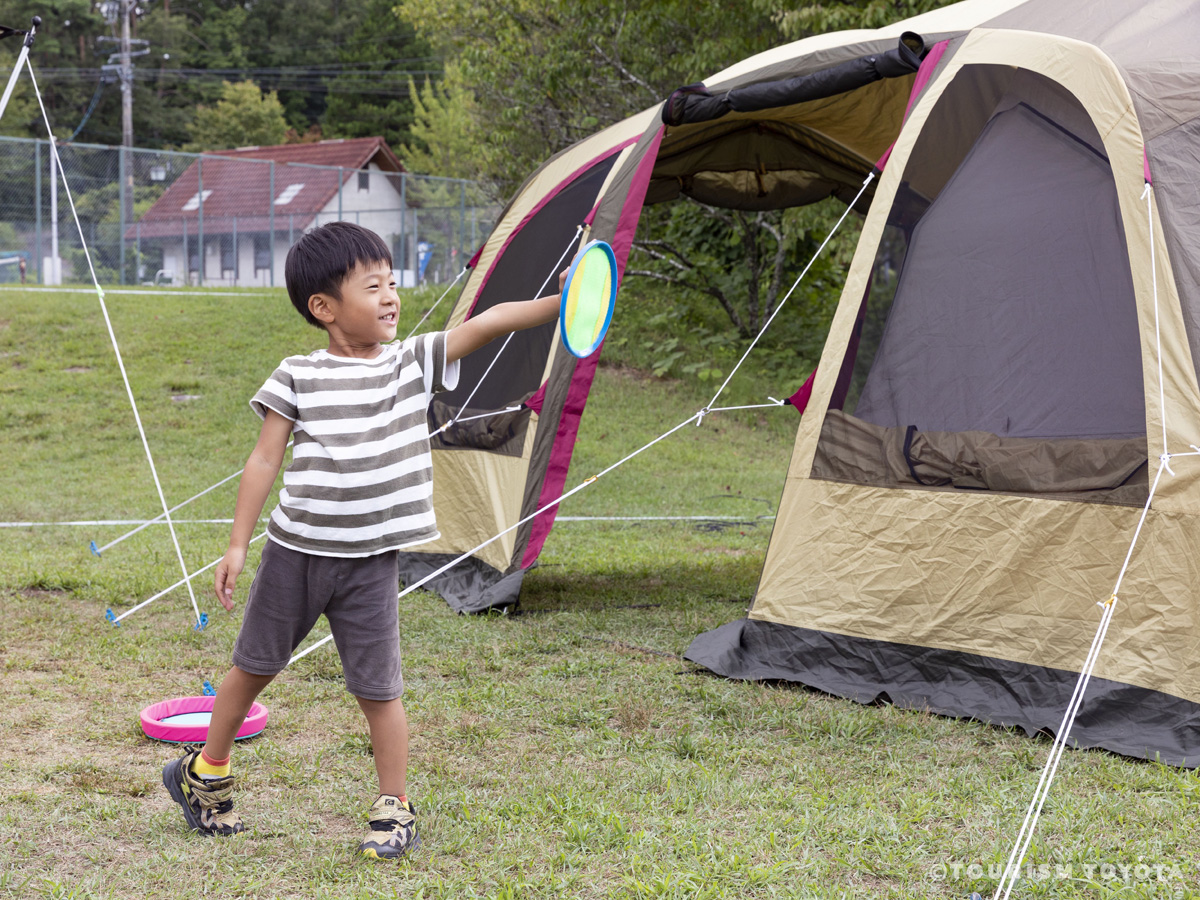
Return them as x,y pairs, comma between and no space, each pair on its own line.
364,180
262,251
228,254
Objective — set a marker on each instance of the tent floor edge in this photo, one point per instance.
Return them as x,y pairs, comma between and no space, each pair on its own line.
1122,718
472,586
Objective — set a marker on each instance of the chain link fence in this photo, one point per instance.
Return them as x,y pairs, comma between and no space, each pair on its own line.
171,218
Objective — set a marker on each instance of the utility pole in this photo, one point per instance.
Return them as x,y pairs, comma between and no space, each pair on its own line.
121,63
126,77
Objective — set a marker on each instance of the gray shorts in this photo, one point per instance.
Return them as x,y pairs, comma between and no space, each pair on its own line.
359,598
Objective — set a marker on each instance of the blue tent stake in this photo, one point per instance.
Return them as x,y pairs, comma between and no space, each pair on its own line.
202,623
111,617
209,690
94,548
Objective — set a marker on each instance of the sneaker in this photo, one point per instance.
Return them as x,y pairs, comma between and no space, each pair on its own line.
393,829
207,806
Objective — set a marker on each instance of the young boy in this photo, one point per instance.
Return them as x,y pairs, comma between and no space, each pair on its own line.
358,489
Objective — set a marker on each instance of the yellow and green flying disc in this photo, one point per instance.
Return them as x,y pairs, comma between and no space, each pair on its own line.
588,297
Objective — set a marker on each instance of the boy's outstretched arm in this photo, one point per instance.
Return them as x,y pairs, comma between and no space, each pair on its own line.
499,320
258,478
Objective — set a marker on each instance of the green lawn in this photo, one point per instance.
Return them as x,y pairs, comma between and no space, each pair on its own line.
565,751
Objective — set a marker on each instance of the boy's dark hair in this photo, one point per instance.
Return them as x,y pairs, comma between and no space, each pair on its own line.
319,262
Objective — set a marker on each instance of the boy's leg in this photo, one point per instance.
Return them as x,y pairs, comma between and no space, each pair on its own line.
235,695
389,742
393,825
200,781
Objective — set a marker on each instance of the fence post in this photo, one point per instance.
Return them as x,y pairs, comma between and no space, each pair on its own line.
341,184
37,205
403,245
137,253
200,223
187,256
462,224
235,253
55,268
122,165
271,217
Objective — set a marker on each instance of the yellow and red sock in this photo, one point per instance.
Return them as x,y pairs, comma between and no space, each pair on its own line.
209,769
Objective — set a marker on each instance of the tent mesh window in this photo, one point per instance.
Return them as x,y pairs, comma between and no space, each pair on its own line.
523,269
997,343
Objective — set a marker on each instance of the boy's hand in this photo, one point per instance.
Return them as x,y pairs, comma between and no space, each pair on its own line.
562,279
228,570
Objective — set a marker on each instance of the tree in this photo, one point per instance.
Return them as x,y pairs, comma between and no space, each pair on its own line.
244,116
547,73
447,138
372,95
819,18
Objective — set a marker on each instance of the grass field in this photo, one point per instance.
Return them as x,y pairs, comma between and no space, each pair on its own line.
564,751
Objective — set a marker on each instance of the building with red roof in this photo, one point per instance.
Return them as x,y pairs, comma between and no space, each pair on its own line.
230,217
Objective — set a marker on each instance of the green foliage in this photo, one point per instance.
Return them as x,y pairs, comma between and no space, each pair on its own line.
447,134
244,116
748,261
343,64
547,73
382,41
819,18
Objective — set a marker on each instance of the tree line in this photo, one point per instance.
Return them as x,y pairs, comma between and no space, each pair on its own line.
482,91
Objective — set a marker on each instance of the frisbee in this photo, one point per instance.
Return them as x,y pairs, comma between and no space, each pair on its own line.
185,720
588,297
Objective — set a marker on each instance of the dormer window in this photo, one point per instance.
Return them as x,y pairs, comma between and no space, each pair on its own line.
194,203
289,194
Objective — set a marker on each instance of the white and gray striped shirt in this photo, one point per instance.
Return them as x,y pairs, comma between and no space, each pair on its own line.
361,477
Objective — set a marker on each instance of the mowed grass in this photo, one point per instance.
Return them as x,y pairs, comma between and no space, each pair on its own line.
563,751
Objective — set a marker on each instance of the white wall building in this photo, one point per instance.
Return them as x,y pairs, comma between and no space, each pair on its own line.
230,218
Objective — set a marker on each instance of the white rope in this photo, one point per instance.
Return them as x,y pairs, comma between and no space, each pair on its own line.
157,519
774,404
1033,813
486,415
93,523
554,271
494,538
116,349
186,580
429,312
1025,836
16,69
870,177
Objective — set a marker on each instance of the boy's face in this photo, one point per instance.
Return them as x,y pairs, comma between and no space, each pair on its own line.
366,315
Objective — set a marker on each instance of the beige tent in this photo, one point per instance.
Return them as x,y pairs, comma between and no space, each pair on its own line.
1013,353
988,413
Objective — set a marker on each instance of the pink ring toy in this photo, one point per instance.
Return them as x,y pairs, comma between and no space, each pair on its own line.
156,720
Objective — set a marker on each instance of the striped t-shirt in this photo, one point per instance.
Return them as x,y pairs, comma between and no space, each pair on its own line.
361,477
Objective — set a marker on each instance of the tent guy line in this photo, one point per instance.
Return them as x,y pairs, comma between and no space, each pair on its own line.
116,349
92,523
143,523
553,271
1012,869
553,503
866,183
429,312
697,417
187,579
